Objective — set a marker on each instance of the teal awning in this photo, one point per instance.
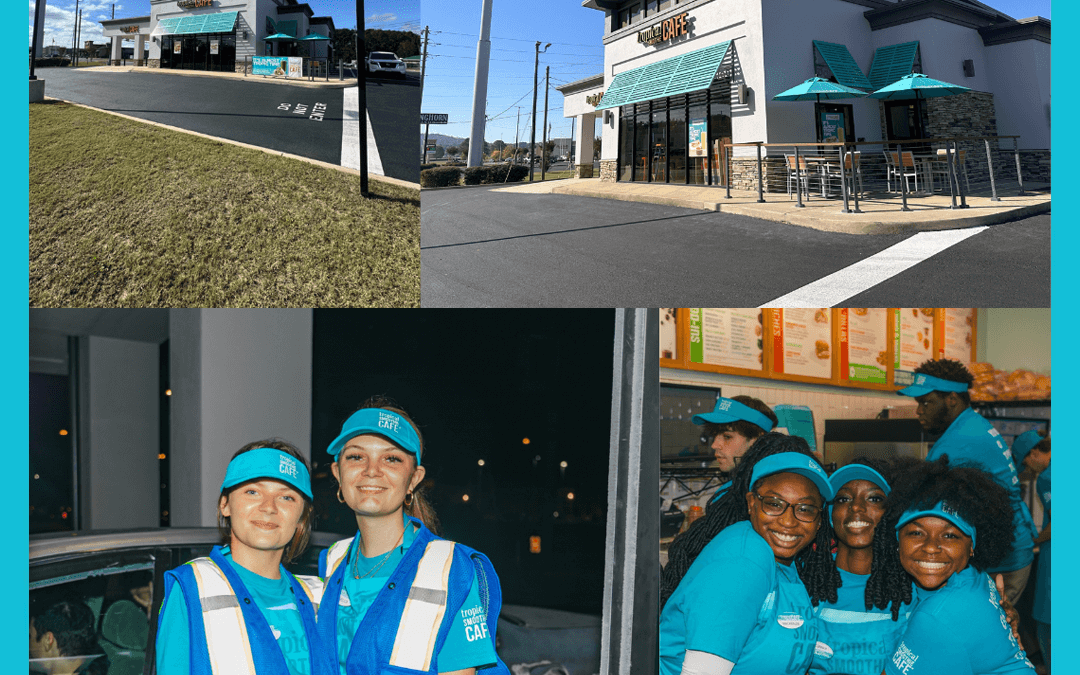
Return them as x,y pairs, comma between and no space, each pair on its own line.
842,65
892,62
683,74
222,22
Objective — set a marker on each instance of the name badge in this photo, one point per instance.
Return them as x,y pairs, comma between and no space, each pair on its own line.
343,599
789,620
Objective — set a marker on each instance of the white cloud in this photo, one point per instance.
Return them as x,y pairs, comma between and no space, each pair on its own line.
381,18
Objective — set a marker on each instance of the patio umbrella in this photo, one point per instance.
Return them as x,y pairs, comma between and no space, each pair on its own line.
817,88
278,37
917,86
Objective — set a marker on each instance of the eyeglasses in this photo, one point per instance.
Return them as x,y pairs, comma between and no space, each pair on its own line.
772,506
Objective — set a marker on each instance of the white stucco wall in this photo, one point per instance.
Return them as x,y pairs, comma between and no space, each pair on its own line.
712,21
1022,69
165,9
944,47
789,61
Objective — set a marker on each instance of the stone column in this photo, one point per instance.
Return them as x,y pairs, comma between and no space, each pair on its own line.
114,53
140,44
583,157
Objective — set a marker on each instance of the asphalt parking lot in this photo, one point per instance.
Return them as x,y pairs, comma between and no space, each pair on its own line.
288,118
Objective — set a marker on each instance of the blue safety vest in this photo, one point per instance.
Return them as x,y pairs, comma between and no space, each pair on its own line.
432,581
218,601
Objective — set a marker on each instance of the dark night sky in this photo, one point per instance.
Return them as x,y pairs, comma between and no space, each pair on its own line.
477,382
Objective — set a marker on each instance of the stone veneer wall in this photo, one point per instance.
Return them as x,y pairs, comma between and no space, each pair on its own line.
609,169
583,170
154,63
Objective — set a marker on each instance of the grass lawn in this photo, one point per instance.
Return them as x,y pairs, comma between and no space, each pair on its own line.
553,175
125,214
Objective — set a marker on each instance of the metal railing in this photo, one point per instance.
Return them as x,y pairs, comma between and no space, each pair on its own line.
878,171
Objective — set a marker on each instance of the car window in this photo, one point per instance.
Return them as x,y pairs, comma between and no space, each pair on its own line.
382,55
98,611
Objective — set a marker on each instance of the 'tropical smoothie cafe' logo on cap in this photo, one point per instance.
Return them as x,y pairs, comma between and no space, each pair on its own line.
287,467
665,30
387,421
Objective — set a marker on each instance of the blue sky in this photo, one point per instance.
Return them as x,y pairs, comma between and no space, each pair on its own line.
60,16
576,52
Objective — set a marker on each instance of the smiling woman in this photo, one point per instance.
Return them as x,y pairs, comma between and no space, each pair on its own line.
239,610
397,595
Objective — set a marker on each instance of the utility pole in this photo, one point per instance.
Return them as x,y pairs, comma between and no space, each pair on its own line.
38,7
75,32
543,148
517,135
361,95
423,64
532,139
479,104
78,36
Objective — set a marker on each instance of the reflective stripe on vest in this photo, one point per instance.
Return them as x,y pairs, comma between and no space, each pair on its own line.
414,645
335,554
314,587
226,632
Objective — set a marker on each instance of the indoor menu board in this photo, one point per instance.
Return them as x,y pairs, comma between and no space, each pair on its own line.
726,337
913,341
957,334
802,342
864,345
668,339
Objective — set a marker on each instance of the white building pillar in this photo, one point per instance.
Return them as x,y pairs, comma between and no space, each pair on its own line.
114,53
583,156
140,44
236,376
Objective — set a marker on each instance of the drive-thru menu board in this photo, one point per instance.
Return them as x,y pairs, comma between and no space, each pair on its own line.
957,334
914,341
864,345
802,342
727,337
863,348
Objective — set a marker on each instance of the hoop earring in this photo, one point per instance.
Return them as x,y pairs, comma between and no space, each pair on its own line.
409,498
339,497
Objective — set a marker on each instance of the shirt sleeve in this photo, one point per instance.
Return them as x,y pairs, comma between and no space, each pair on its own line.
926,648
469,644
171,646
728,595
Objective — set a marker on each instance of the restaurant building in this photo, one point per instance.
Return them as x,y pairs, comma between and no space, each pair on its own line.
682,77
219,35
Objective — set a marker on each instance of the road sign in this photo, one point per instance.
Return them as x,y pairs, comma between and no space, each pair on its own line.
431,146
433,118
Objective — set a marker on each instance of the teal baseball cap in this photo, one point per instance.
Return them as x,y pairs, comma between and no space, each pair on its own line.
924,384
794,462
729,410
268,463
940,510
850,472
385,423
1023,444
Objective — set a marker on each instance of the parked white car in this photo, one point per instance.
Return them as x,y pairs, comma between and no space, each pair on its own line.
385,63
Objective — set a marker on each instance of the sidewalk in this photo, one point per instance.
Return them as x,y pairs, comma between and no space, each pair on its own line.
334,83
881,214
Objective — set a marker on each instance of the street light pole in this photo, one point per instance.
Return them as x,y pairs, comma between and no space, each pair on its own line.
39,6
543,148
361,94
532,139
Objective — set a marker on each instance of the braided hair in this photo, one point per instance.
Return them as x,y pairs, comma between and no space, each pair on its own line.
814,563
975,495
888,582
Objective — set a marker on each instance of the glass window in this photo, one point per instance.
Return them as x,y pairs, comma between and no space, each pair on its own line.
664,4
658,151
52,487
626,142
677,150
698,166
641,146
651,7
635,13
202,52
228,53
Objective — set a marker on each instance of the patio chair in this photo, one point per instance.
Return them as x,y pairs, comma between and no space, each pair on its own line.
797,175
941,167
831,171
895,170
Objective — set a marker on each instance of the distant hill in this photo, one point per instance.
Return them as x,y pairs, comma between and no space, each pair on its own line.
441,139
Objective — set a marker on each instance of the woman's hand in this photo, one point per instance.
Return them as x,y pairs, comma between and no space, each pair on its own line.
1010,612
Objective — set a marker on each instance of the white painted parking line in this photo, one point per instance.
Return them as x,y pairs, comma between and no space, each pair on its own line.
840,285
350,136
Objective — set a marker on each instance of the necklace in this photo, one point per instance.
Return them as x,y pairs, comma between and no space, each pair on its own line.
373,570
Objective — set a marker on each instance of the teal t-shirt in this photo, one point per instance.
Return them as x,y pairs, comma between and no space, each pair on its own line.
273,597
738,603
852,639
1042,578
959,629
468,644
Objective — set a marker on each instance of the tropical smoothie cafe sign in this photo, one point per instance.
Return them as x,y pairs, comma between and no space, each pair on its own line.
665,30
192,4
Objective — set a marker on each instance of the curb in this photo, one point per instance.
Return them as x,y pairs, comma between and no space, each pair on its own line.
326,165
848,224
332,84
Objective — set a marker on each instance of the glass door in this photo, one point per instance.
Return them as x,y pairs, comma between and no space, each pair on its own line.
658,153
641,147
